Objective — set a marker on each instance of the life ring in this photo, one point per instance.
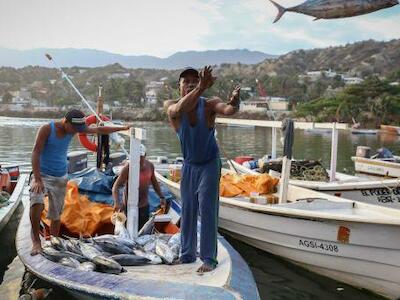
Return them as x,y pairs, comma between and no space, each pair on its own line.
83,138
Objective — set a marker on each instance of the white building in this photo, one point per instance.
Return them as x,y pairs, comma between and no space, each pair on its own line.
119,76
352,80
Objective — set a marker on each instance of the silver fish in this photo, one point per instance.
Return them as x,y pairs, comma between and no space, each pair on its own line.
145,239
52,254
109,237
113,247
165,252
150,247
154,258
334,9
107,265
89,251
148,227
87,266
58,243
69,262
175,240
130,260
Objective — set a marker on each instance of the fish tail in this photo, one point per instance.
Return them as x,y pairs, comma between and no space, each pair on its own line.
281,10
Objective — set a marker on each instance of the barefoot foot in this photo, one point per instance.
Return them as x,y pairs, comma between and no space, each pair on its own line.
205,268
36,248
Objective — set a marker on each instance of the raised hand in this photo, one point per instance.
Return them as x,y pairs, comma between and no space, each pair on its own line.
206,79
234,99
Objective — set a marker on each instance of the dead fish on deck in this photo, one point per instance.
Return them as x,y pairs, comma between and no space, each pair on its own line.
148,227
107,265
58,243
109,237
113,247
69,262
154,258
145,239
89,251
87,266
165,252
55,255
130,260
334,9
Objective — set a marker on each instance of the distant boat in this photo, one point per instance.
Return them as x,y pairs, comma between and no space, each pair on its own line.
378,166
349,241
391,129
364,131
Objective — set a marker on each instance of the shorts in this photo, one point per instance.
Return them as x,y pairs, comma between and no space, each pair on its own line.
55,188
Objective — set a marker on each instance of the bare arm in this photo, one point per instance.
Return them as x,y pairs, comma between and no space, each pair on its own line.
41,139
121,180
229,108
106,129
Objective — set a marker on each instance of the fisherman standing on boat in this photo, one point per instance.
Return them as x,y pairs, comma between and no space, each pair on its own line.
193,118
49,167
146,176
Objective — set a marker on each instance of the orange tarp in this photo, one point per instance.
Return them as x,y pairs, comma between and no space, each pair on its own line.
80,215
232,185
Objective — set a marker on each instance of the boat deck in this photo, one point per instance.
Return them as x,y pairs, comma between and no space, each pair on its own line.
185,272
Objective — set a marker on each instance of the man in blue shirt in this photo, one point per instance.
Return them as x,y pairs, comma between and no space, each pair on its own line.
49,167
193,118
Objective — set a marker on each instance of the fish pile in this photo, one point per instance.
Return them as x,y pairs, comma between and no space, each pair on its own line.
110,253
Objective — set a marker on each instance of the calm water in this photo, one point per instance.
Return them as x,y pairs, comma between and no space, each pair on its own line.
276,278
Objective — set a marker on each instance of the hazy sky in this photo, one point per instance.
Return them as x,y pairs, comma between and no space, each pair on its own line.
163,27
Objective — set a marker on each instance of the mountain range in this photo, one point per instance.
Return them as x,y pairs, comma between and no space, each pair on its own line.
70,57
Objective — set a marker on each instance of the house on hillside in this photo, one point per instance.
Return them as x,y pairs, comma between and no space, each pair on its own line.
352,80
264,104
119,75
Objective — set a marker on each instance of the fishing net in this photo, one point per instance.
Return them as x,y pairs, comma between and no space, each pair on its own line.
301,170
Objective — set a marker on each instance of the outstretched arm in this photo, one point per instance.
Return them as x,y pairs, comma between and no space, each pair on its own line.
157,188
229,108
106,129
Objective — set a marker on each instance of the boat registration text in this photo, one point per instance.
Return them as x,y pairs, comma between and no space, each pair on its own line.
318,245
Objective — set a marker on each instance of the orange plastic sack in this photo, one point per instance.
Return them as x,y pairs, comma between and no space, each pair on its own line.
81,216
232,185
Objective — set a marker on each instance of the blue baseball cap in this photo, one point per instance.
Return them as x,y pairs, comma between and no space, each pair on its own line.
77,119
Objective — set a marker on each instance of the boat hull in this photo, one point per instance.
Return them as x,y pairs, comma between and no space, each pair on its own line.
376,167
359,263
7,212
391,129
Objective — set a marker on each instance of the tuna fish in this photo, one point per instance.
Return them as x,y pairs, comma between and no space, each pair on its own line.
70,262
87,266
109,237
89,251
334,9
130,260
165,252
154,258
113,247
107,265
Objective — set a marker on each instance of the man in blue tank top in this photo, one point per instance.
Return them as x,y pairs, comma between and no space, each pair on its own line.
49,168
193,118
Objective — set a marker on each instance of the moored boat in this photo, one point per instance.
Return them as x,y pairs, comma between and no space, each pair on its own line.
363,131
379,192
10,204
346,240
391,129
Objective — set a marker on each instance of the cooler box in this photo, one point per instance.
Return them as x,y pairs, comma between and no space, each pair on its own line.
77,161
